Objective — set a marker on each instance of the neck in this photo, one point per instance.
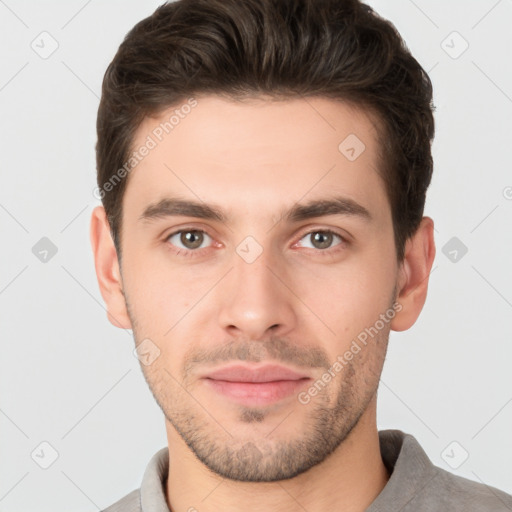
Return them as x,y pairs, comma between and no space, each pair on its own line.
349,479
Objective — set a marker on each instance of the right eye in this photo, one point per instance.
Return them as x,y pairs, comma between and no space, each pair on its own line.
191,239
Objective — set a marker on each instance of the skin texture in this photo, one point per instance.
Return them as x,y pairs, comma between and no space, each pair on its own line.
301,303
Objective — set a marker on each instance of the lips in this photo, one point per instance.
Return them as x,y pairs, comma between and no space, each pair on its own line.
267,373
255,385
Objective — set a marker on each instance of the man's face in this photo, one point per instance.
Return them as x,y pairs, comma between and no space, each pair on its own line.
258,288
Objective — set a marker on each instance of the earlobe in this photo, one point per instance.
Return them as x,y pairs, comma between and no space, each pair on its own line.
414,275
107,269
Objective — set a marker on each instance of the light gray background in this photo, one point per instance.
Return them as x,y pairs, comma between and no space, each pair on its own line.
69,378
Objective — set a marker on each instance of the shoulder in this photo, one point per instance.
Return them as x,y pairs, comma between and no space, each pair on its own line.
130,503
458,493
416,484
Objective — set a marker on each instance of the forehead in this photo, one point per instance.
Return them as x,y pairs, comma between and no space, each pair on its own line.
248,156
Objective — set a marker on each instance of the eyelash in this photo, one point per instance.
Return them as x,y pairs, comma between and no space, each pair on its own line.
193,252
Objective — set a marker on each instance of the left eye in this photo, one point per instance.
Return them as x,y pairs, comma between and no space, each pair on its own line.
322,239
190,238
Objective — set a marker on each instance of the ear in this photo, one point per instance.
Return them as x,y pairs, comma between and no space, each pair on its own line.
107,269
414,273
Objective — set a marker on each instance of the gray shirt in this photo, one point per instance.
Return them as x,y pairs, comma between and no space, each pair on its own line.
415,485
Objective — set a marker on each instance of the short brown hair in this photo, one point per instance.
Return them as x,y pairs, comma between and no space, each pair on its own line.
338,49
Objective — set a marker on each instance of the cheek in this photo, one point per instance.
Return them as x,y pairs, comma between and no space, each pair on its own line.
350,295
161,292
164,303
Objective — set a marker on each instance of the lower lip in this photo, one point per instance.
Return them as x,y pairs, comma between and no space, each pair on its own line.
257,393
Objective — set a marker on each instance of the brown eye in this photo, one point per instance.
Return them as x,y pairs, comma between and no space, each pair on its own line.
189,238
322,239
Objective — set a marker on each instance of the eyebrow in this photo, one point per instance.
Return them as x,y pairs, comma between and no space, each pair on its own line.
170,207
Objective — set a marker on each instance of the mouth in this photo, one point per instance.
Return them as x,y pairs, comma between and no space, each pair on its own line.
256,385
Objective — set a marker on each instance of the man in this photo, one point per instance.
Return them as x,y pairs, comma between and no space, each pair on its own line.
263,167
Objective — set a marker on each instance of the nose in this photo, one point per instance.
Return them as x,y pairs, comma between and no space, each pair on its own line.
256,299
